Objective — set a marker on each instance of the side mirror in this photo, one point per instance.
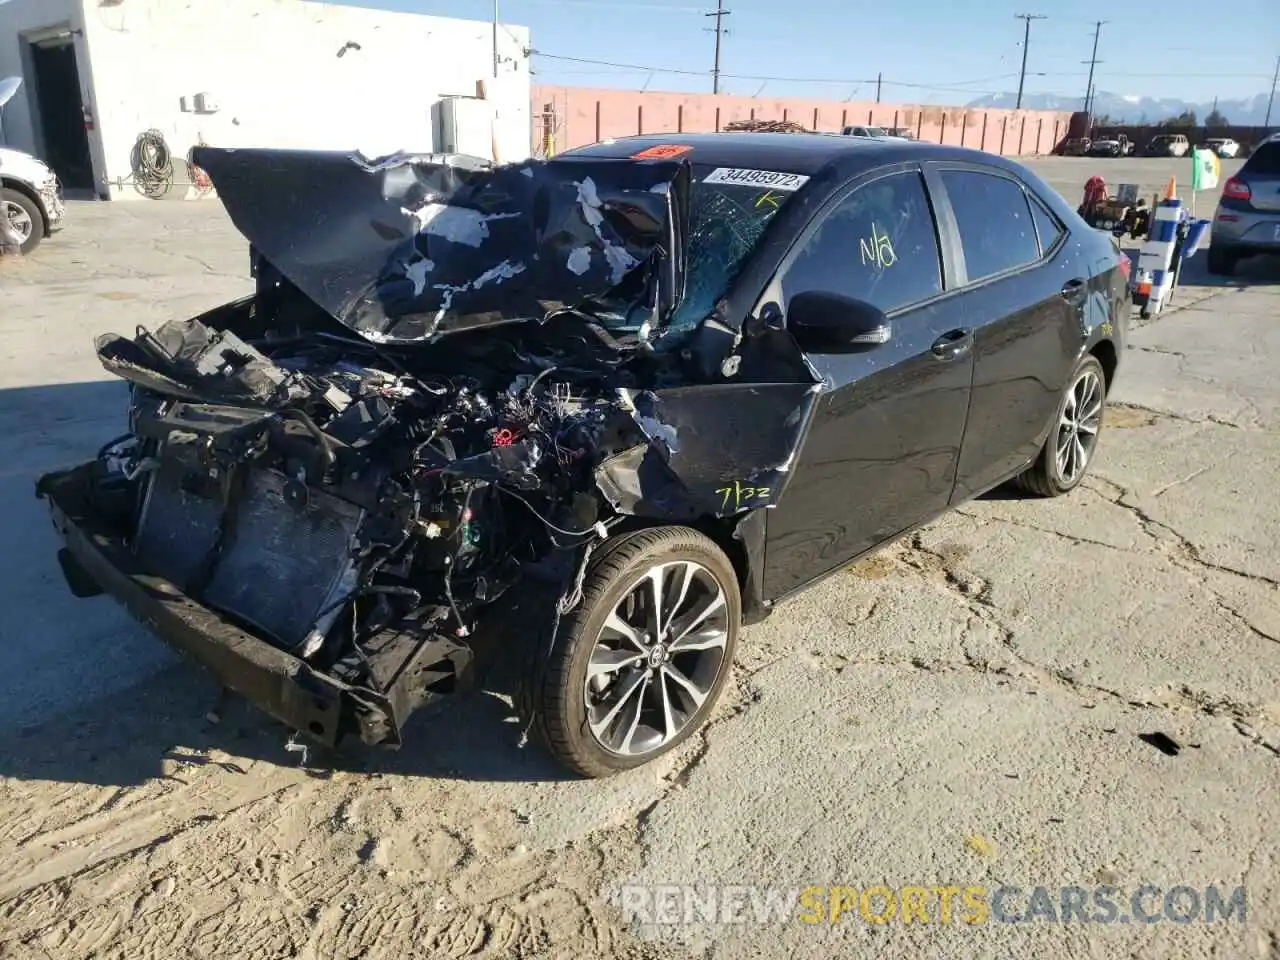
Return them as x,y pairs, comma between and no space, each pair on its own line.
833,323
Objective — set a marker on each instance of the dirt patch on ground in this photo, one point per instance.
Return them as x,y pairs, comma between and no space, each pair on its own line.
875,567
1121,417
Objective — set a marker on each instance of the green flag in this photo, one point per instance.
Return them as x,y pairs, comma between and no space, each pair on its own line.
1204,169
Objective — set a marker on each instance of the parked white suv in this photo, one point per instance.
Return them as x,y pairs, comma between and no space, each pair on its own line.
30,195
1224,147
863,131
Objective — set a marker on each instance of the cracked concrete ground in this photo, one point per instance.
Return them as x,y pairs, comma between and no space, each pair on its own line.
1029,693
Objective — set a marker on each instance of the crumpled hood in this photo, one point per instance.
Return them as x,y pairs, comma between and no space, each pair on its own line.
409,248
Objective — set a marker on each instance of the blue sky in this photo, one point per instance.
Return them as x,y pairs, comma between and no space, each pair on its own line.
1226,50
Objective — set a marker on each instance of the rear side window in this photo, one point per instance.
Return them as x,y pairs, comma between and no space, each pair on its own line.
996,231
1047,226
1265,161
879,245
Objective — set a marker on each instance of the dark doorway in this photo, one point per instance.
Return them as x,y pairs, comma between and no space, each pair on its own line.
57,89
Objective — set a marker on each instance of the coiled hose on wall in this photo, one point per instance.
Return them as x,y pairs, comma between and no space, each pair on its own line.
152,165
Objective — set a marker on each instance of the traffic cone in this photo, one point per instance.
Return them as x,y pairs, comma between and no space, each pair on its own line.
1172,192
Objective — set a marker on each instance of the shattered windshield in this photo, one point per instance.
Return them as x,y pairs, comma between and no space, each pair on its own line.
726,221
727,218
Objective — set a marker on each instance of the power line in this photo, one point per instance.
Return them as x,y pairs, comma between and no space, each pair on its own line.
1026,42
720,13
1092,61
620,66
957,86
618,7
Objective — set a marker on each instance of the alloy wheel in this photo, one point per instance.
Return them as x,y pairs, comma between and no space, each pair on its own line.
1078,429
19,219
657,658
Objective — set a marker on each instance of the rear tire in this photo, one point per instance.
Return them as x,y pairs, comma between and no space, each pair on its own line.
1222,261
578,700
22,209
1073,439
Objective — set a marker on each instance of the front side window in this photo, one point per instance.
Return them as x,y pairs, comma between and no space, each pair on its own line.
878,245
996,232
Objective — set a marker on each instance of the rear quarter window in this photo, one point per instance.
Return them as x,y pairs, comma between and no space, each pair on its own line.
1047,225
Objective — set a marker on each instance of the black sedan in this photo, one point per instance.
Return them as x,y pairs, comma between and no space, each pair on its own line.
587,417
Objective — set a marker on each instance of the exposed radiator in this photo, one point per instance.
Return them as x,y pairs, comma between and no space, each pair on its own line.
282,566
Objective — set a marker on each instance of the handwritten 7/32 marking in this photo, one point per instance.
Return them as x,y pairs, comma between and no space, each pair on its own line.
736,497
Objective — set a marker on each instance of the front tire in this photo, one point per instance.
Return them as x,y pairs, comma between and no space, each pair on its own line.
639,664
1068,452
25,216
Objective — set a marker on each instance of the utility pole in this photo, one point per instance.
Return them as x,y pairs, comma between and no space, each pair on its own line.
720,13
879,80
1026,41
1266,124
1092,61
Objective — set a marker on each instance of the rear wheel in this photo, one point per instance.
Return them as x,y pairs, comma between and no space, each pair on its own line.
638,666
1068,451
1222,261
24,216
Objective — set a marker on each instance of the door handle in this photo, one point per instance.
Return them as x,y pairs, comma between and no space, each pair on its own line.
953,345
1073,291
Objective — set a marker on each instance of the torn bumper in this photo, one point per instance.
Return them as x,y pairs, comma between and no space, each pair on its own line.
316,704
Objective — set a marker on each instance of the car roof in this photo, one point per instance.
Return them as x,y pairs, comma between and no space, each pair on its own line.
800,153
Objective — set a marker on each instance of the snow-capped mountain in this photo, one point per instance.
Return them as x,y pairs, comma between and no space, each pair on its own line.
1134,109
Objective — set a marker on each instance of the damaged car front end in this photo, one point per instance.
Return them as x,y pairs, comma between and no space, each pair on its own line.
454,380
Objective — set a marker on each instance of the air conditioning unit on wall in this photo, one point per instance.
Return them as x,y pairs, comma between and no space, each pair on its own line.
466,126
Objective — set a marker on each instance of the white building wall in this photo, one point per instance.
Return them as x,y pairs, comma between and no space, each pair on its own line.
272,70
18,18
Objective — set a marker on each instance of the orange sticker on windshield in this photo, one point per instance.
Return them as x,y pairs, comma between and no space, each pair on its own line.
664,151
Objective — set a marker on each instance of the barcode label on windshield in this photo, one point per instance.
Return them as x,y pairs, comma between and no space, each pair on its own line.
770,179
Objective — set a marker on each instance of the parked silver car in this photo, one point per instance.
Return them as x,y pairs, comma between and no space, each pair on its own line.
1247,220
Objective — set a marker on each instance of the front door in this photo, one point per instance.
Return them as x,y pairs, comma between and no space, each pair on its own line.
882,450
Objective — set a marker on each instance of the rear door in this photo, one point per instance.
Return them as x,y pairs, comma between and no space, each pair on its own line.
882,448
1024,293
